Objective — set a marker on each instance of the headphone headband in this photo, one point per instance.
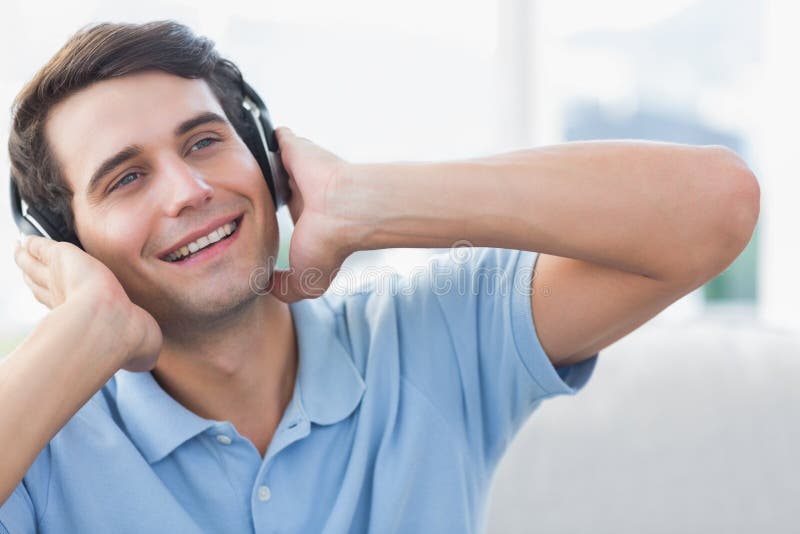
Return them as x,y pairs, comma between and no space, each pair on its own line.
260,140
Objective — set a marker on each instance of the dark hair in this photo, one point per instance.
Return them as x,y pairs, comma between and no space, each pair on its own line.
98,52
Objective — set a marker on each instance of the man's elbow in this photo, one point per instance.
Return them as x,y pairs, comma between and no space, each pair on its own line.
740,204
732,216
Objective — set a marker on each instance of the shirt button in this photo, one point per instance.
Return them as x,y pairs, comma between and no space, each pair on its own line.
264,494
225,440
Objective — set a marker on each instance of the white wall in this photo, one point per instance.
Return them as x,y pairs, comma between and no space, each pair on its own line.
778,140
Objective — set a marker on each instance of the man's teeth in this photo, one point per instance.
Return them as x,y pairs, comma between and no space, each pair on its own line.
220,233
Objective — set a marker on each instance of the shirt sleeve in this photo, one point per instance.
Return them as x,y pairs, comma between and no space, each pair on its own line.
16,514
502,369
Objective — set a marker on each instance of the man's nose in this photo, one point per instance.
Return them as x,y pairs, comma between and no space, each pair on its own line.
184,187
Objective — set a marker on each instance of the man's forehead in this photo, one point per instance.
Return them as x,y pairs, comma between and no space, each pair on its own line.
103,118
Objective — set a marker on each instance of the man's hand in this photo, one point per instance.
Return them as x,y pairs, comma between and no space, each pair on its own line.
59,272
320,242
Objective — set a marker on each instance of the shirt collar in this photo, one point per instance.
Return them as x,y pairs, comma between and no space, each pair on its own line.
156,422
328,387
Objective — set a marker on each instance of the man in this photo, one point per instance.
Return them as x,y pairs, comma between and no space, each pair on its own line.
284,410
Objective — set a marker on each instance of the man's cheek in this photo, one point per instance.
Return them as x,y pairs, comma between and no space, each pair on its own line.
120,245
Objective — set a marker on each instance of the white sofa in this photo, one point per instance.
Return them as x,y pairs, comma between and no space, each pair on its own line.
690,427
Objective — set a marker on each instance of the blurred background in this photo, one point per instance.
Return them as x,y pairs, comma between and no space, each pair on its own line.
690,424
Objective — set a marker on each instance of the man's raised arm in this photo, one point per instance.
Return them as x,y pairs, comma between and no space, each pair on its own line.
623,228
92,331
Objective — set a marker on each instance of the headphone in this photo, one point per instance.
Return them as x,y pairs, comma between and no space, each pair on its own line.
261,140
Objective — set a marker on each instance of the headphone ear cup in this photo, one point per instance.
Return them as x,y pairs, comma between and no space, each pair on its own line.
281,178
252,138
39,221
27,228
263,143
24,225
52,223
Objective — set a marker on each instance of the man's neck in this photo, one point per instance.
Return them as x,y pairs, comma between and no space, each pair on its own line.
243,372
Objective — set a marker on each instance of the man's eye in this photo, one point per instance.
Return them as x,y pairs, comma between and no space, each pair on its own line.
124,181
203,143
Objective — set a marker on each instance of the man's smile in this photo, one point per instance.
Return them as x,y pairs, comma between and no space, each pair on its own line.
205,243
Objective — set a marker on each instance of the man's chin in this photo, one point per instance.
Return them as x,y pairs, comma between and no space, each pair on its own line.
201,312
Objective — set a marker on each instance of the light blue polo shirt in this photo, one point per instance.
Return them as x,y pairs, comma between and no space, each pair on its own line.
407,395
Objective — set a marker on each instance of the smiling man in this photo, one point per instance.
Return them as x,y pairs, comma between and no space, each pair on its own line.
165,393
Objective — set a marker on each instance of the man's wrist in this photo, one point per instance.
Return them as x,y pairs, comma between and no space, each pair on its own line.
410,204
349,202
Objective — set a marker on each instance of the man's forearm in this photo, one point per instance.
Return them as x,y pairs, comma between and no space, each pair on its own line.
655,209
63,362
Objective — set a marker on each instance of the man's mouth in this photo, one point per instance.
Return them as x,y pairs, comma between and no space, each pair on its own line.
202,245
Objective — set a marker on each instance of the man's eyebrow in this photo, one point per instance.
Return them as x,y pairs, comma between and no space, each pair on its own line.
131,151
202,118
110,164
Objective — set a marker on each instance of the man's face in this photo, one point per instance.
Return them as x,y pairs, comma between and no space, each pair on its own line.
179,184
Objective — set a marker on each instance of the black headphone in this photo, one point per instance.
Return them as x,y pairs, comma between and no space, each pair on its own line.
261,140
